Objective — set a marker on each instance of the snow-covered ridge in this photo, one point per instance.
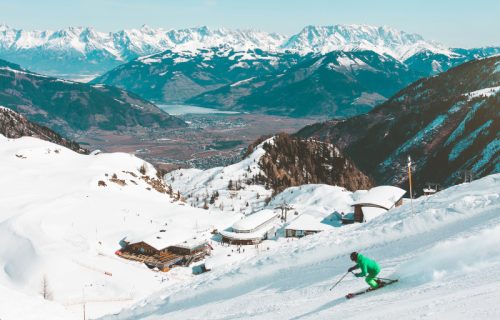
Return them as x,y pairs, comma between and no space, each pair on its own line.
126,44
383,40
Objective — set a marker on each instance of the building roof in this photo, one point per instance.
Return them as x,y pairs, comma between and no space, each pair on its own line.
382,196
256,235
255,220
162,240
192,243
306,222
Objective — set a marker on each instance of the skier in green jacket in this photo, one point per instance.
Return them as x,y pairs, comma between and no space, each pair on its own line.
369,268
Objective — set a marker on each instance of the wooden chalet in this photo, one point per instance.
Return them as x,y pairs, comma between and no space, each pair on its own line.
157,251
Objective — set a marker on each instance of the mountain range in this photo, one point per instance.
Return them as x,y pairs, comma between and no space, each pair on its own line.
335,84
83,50
175,77
448,124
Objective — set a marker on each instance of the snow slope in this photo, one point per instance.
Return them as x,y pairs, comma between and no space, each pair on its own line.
198,186
55,221
445,254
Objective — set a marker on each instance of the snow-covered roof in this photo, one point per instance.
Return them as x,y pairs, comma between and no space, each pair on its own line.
256,235
307,223
382,196
372,212
163,240
255,220
192,243
159,240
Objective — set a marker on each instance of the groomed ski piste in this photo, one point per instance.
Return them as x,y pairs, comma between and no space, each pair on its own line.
445,253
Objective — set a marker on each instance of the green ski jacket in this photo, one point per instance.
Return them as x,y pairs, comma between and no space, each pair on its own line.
367,266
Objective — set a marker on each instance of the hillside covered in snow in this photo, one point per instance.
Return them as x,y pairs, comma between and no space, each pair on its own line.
269,167
444,252
63,216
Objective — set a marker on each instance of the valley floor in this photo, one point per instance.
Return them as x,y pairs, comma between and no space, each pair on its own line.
210,139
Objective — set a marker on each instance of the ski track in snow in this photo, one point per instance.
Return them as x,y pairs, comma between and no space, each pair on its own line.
446,256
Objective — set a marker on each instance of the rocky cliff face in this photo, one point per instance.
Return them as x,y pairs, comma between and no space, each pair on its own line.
290,161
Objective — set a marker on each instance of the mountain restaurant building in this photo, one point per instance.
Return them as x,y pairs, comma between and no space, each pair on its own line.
252,229
164,253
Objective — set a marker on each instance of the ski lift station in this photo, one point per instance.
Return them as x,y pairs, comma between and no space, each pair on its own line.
252,229
375,202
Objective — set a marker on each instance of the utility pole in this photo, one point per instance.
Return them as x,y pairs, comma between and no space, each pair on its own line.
409,180
83,296
284,209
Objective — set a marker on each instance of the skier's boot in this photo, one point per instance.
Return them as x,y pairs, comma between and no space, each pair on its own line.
380,283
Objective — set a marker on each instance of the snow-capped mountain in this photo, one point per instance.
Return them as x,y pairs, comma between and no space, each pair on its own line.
81,50
335,84
176,76
383,40
448,124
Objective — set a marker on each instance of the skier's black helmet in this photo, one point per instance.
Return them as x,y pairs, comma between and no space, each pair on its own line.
354,256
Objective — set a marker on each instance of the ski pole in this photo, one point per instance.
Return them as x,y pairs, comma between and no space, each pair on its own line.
339,280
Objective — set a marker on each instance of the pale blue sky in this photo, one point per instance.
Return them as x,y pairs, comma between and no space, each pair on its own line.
458,23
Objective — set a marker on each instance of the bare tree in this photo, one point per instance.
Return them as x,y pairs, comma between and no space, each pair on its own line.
45,290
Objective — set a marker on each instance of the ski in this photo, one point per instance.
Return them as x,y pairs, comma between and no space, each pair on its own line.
384,284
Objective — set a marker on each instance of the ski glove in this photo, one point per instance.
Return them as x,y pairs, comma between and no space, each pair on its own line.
351,269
